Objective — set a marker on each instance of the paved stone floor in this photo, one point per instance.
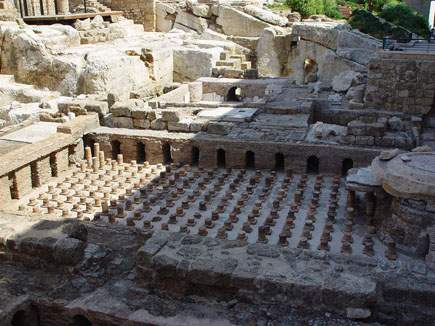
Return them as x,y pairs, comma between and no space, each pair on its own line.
216,202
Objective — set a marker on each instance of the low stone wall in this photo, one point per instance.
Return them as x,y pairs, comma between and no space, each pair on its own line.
191,264
401,82
182,144
64,246
40,161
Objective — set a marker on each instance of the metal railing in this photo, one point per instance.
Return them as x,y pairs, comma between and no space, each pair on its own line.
415,45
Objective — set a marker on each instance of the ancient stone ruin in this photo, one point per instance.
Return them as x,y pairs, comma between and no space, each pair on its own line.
211,163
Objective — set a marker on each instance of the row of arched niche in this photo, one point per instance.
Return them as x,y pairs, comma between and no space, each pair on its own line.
312,162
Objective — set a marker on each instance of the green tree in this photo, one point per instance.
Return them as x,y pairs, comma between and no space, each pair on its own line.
403,15
312,7
375,4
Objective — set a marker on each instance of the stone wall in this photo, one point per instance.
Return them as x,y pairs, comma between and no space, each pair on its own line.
223,269
142,12
402,83
41,160
181,145
22,181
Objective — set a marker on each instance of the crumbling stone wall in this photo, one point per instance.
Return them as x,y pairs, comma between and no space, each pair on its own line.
142,12
402,83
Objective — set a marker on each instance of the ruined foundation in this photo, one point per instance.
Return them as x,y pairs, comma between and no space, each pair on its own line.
202,163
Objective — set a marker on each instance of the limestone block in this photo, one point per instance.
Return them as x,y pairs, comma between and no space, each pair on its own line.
212,35
268,60
395,124
113,72
161,64
97,22
195,90
123,122
82,25
198,125
355,39
158,124
102,108
265,15
219,128
364,140
375,129
140,112
329,64
69,251
355,105
356,128
193,22
182,125
325,34
152,115
200,10
171,115
121,109
346,79
163,24
203,59
27,55
235,22
141,123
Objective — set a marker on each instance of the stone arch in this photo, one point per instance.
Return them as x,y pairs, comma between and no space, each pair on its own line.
141,152
250,160
80,320
313,164
346,166
234,94
166,153
116,148
221,158
194,156
279,162
26,317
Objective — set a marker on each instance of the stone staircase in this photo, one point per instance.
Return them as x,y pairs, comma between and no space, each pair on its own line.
97,5
233,66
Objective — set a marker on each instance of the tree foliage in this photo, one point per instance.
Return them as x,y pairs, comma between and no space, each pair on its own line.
315,7
403,15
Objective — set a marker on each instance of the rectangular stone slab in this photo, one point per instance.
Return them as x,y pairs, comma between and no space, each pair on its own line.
228,114
33,133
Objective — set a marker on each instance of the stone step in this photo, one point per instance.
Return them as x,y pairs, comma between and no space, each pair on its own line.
240,57
233,63
246,65
7,79
227,72
224,55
